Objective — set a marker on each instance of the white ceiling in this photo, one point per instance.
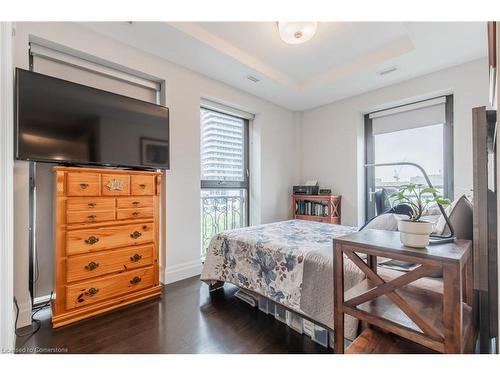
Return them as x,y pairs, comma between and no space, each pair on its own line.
343,58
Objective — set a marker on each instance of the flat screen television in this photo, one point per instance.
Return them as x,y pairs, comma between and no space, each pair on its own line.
63,122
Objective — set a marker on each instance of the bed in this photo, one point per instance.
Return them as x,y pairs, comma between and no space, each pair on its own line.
289,262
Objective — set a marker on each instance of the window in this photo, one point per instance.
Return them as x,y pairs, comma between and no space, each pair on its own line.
420,133
224,173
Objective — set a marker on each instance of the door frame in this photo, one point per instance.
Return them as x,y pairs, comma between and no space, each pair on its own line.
369,172
7,327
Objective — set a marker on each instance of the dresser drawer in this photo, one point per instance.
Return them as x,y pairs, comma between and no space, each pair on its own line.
134,202
87,266
114,184
142,185
83,184
73,217
90,204
89,240
134,213
103,288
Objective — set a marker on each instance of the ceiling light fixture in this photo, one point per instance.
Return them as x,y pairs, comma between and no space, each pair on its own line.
297,32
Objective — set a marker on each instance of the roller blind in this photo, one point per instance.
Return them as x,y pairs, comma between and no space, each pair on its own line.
416,115
76,69
208,104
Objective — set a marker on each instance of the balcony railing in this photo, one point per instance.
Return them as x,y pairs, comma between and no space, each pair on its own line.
221,210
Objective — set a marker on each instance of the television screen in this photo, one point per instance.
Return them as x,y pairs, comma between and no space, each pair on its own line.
61,121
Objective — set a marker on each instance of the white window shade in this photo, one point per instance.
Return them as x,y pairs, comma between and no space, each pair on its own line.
208,104
416,115
79,70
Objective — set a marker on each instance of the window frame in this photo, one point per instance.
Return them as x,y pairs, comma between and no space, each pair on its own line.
448,157
228,185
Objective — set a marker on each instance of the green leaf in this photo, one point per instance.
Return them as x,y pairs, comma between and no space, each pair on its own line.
429,190
416,200
443,201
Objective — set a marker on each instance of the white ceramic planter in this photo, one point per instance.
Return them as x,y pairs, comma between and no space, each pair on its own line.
414,233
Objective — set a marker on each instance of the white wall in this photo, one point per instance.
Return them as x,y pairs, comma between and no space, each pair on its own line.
274,157
332,136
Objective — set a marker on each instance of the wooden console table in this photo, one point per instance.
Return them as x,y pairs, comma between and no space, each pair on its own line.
439,321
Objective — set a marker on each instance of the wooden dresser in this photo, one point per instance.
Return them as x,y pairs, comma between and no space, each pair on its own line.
106,240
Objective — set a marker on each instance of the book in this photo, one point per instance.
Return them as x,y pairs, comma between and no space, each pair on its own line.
313,208
399,265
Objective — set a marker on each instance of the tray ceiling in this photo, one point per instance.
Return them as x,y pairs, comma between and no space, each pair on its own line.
343,58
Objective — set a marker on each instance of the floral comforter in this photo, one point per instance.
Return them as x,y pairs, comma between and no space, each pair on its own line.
269,259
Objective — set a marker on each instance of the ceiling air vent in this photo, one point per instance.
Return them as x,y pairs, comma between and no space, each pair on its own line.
388,71
253,79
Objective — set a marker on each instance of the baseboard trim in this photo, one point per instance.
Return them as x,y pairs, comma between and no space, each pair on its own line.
162,275
183,271
43,299
24,314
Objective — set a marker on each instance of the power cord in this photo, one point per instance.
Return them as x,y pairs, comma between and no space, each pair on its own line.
16,330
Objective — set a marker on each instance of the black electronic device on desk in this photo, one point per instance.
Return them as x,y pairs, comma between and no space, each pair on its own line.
306,189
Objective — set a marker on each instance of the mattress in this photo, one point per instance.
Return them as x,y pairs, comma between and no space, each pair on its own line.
276,259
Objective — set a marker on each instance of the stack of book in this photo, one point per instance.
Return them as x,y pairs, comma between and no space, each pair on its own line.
306,207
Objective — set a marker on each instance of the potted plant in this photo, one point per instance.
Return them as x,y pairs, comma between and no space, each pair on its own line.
415,232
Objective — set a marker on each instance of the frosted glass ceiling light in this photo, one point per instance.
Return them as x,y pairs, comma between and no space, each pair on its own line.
297,32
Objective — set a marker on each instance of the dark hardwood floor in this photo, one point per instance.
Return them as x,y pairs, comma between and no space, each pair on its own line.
187,319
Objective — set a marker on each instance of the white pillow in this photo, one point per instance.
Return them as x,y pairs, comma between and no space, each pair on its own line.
432,210
386,222
460,215
434,219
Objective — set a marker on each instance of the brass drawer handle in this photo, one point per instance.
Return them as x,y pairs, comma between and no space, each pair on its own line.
84,186
136,234
91,266
92,291
136,280
91,205
135,258
92,217
142,186
135,214
135,203
91,240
